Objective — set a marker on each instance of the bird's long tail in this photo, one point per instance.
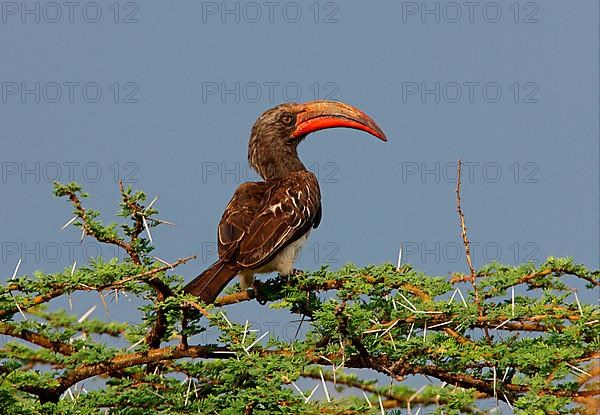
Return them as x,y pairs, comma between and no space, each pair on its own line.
211,282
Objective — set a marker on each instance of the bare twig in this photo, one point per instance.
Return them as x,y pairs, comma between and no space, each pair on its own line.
463,226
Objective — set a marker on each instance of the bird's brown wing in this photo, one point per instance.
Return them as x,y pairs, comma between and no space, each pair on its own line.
291,211
239,213
253,233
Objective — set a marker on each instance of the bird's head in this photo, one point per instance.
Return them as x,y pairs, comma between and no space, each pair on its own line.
278,131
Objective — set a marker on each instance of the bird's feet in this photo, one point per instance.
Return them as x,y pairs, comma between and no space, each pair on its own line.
256,288
295,272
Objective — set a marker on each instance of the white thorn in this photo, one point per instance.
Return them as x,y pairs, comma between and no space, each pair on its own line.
73,219
341,365
417,393
151,203
87,314
256,341
399,257
298,389
163,262
462,297
505,374
16,269
412,326
372,331
245,333
104,304
502,324
392,339
381,405
166,222
82,234
418,411
578,369
453,295
394,304
367,399
324,386
440,324
15,300
408,301
589,323
578,303
512,300
495,379
73,268
187,394
390,327
425,330
19,308
147,229
226,319
408,308
325,358
133,346
333,370
507,400
311,393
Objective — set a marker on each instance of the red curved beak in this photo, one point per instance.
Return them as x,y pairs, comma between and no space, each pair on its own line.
319,115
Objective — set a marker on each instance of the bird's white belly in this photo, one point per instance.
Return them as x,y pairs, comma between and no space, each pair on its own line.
283,262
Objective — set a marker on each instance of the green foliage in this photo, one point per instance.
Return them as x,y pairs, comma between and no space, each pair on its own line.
515,334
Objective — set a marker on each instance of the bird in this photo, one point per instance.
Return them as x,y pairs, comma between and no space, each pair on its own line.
266,222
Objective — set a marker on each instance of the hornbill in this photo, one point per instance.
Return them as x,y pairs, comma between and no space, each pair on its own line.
266,223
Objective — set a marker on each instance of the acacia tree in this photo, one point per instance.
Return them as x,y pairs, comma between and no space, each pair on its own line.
512,334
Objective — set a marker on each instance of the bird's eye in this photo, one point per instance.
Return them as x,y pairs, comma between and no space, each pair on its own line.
287,119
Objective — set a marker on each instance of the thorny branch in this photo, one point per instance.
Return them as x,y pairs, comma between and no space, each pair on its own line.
393,398
467,246
162,290
463,226
355,348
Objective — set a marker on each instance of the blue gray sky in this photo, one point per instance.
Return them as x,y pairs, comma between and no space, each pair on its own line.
164,94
